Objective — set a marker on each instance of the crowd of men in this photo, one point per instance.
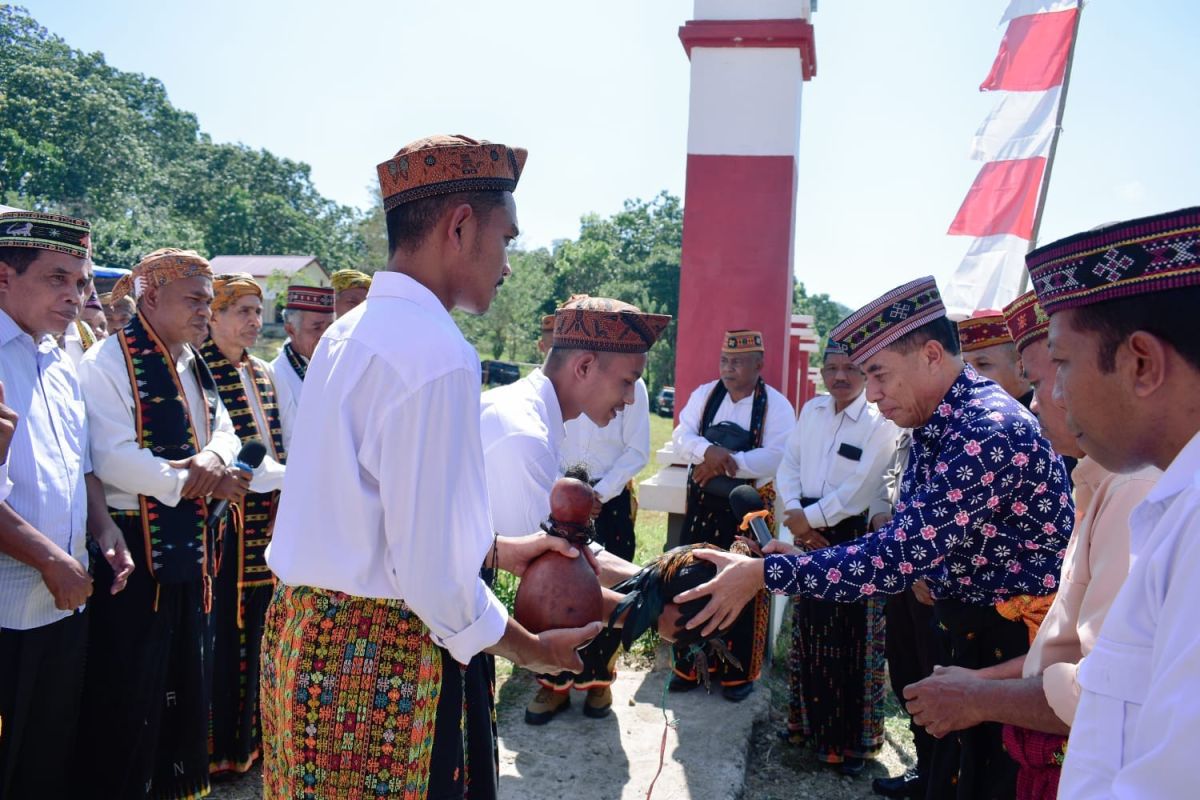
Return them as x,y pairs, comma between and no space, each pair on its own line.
207,558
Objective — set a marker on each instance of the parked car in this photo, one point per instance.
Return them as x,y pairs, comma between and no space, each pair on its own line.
499,373
664,401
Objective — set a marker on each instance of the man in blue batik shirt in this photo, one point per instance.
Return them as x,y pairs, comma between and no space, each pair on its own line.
984,516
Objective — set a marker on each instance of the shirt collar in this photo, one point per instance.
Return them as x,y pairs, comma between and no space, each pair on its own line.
545,390
1183,473
10,330
855,409
397,284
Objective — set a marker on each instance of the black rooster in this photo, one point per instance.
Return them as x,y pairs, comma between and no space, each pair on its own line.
651,589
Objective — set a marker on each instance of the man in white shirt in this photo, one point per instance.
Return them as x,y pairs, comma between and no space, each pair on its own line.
1124,333
384,525
244,584
732,430
832,469
163,452
307,314
50,504
592,373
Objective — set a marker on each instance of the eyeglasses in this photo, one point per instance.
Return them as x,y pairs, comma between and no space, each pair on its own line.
737,362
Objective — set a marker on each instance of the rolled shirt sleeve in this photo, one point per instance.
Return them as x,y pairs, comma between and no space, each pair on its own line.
6,485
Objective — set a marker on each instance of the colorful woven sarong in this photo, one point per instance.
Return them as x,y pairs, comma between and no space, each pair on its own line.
358,702
1039,758
836,669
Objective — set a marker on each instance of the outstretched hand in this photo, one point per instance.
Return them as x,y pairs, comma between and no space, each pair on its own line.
558,650
738,579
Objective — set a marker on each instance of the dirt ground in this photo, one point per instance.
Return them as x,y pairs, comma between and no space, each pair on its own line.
775,769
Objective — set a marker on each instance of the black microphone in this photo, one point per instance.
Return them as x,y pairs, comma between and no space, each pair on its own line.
745,500
248,459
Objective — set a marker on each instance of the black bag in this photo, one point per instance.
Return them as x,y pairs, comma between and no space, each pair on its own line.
734,438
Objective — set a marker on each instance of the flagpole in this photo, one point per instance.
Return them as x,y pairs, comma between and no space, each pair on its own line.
1062,107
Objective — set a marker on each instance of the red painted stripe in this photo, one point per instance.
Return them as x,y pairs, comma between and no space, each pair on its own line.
1002,199
797,33
1033,53
736,269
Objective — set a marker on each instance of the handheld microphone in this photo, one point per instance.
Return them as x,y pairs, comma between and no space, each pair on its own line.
744,501
248,459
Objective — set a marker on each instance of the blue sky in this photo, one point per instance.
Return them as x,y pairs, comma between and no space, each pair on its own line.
598,93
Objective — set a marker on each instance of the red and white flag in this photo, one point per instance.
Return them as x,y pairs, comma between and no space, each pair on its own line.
1015,143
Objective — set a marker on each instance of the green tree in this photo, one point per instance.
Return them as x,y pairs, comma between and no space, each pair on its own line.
80,137
826,314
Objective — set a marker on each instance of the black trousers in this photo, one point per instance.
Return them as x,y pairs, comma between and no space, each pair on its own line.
972,764
911,650
145,713
41,683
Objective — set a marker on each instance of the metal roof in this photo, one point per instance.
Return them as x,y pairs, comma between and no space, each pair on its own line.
263,266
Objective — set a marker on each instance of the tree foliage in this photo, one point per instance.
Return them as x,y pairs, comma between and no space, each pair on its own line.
83,138
80,137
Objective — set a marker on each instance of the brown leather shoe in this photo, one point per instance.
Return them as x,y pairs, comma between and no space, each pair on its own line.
545,704
599,702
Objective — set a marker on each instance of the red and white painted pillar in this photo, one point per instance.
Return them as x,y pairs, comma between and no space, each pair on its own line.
749,59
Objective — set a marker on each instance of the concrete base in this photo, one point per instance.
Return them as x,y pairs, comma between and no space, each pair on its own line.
617,757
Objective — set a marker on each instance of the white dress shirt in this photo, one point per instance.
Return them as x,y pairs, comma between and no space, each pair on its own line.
47,460
522,432
287,394
125,467
615,453
385,494
1134,734
759,463
817,461
269,476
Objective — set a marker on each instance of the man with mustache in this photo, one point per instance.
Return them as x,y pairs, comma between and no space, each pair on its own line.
832,469
50,504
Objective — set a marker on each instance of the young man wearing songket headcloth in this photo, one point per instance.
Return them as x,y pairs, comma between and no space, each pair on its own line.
350,288
732,431
306,316
984,516
1036,695
163,444
1125,336
833,467
50,504
592,373
384,525
244,584
987,346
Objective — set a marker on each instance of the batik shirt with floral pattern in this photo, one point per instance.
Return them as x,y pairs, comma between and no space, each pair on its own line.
985,512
